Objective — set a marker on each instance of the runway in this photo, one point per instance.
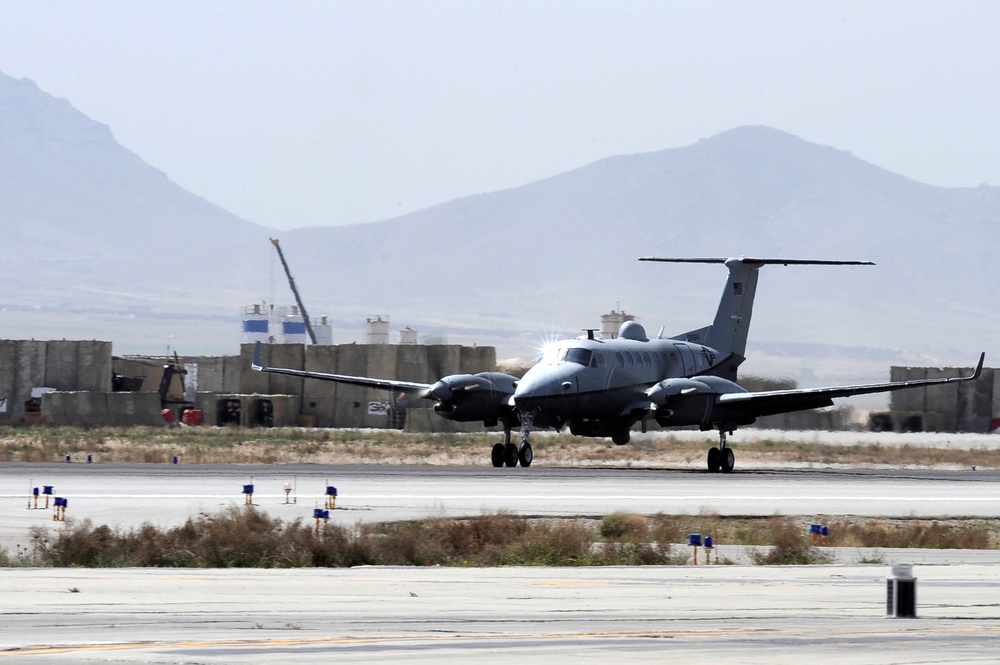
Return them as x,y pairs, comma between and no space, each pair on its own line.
735,613
130,494
724,614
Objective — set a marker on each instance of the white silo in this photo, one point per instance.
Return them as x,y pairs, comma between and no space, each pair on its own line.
611,323
407,336
256,324
293,326
377,330
323,330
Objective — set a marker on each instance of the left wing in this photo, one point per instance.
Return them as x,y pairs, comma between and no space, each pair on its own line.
782,401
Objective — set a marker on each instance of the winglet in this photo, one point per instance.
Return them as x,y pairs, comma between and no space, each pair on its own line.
255,364
979,367
975,374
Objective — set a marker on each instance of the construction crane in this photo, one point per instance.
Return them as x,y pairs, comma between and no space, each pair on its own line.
298,299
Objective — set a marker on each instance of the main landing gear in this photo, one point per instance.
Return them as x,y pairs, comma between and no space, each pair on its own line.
508,454
722,457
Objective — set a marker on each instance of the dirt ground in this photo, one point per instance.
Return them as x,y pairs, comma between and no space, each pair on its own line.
685,449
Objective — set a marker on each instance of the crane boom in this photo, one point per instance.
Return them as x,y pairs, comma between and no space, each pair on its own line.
295,291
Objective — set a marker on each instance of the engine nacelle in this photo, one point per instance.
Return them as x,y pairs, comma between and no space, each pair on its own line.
472,397
682,402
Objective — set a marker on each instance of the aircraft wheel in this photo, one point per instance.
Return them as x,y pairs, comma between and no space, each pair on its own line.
497,455
714,459
728,460
525,455
510,455
621,438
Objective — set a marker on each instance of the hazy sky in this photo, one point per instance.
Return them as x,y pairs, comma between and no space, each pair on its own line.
319,113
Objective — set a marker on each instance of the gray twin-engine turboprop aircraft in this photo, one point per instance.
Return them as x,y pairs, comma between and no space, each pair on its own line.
602,387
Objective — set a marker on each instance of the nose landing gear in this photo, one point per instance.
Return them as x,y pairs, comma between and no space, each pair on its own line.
509,455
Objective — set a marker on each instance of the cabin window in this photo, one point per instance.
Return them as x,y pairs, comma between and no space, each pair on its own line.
621,360
646,360
599,359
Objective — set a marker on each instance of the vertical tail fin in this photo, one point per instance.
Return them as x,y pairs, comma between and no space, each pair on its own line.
728,332
732,320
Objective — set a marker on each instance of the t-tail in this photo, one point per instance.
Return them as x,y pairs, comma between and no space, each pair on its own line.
728,332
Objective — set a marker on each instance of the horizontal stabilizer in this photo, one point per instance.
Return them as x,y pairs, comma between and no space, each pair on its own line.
728,332
760,262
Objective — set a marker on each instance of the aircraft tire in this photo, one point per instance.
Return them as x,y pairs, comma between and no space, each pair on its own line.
510,455
497,455
524,456
728,460
714,459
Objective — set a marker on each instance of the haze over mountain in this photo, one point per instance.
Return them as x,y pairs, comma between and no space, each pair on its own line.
100,244
97,242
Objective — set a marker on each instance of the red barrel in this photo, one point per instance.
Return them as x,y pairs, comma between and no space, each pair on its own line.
191,417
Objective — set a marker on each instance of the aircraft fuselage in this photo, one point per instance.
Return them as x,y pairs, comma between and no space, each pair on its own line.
582,382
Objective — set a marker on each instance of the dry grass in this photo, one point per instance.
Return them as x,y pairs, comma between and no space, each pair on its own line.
246,537
212,445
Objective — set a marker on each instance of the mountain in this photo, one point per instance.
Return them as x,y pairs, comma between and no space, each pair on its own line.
100,244
556,253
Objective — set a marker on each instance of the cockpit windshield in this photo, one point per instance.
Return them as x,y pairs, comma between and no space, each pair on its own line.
576,355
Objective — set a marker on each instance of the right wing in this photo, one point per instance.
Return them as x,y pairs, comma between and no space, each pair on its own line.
409,387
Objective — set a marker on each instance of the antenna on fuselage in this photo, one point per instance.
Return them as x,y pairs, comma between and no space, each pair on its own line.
590,332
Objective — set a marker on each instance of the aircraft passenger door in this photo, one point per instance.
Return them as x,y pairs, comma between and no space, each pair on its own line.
687,359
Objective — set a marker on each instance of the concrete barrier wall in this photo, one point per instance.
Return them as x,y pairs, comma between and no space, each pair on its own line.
143,408
976,403
94,370
968,406
250,381
995,407
319,397
9,397
803,420
284,408
381,364
286,355
215,373
475,359
101,408
351,404
62,364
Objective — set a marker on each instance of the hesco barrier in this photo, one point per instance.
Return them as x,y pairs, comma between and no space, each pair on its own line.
96,409
957,407
81,372
62,365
